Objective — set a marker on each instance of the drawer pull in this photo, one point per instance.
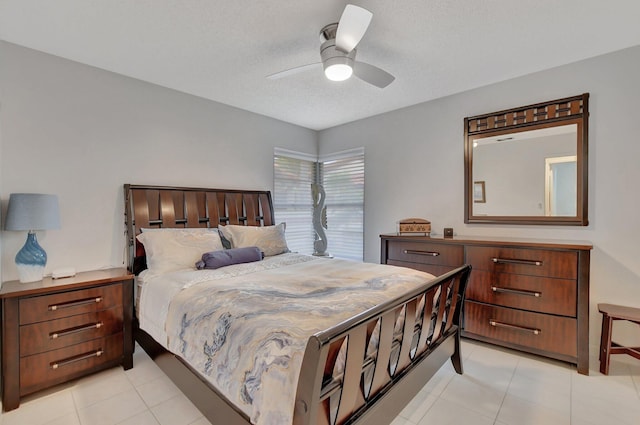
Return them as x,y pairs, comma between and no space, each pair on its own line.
428,253
495,323
516,261
70,360
516,291
76,303
70,331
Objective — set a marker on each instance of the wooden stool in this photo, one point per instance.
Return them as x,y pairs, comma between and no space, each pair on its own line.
611,312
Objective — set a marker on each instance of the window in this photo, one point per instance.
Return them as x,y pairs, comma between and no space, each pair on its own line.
293,174
342,176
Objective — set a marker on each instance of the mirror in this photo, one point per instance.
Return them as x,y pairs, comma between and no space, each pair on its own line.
528,165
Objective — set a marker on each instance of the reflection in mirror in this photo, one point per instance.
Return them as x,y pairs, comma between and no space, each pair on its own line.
516,178
560,191
528,165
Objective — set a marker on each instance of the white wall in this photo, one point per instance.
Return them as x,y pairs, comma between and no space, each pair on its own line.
414,166
81,133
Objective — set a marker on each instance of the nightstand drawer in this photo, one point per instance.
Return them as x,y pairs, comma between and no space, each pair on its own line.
54,334
53,367
534,262
534,293
55,306
427,253
525,329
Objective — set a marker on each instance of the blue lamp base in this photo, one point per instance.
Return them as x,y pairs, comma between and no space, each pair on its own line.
31,260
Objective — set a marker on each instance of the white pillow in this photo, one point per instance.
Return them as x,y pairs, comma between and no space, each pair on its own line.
168,250
270,239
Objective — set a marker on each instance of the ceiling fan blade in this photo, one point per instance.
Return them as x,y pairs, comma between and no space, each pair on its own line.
352,26
372,74
292,71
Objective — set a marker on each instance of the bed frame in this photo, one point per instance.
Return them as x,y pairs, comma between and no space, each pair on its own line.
374,388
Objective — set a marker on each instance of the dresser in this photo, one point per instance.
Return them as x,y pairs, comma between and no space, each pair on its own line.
526,294
56,330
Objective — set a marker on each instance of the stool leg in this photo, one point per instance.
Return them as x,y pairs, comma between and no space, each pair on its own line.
605,343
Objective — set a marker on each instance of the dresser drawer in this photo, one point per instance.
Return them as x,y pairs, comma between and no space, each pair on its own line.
64,304
535,293
46,336
522,328
53,367
427,253
534,262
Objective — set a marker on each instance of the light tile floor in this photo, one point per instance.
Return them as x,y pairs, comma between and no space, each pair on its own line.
499,387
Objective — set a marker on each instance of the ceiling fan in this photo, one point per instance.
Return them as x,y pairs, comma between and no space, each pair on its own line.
338,51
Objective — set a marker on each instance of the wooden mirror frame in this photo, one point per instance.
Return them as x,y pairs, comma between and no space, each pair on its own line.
571,110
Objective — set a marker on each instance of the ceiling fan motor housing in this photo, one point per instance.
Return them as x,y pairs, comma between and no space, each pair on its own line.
331,55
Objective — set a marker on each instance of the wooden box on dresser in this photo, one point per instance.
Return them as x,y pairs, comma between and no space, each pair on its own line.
56,330
527,294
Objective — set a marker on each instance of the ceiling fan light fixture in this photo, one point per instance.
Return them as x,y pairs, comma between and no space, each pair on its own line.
338,71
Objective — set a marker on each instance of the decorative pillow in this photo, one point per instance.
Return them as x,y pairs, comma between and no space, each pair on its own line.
269,239
174,249
227,257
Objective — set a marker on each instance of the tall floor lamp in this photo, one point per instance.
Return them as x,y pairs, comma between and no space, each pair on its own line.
31,212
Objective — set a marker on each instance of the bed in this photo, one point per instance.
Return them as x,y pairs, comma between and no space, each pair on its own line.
361,365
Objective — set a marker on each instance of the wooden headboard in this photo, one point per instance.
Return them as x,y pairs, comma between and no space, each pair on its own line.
185,207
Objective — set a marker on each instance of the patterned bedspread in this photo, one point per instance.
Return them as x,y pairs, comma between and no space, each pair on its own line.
245,327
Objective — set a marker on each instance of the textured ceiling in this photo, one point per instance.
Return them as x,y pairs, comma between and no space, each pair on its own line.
222,50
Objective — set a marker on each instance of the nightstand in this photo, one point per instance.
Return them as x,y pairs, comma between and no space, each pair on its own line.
56,330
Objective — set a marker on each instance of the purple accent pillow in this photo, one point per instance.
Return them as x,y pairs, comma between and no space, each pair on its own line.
227,257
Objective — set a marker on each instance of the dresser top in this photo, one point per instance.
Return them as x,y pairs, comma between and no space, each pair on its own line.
500,241
14,288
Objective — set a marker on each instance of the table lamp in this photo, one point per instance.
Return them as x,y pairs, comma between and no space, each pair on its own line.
31,212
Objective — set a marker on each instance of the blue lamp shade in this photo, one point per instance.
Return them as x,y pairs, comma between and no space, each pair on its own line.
31,212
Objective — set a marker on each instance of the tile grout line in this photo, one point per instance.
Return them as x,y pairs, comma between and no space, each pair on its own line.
495,420
635,379
75,407
571,395
149,409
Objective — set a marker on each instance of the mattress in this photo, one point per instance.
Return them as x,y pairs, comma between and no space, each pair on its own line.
244,327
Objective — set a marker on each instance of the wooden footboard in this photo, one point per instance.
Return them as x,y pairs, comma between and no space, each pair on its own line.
378,380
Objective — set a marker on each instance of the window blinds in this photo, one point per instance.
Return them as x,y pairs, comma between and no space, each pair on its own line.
343,181
292,202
